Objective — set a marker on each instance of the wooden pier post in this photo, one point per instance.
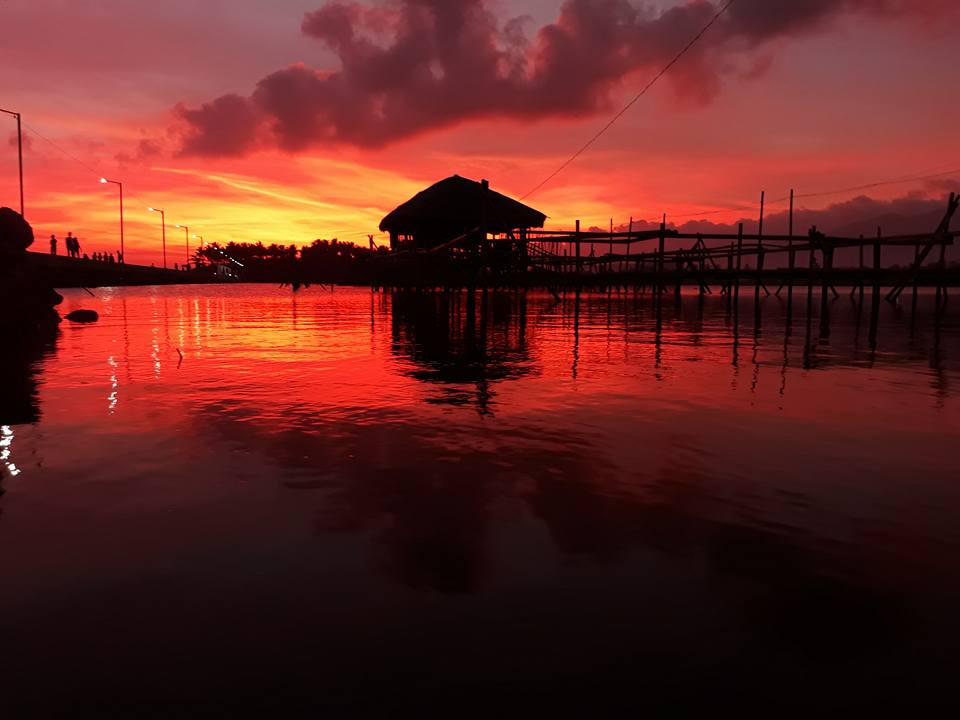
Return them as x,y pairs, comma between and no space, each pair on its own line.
875,302
916,277
760,261
702,263
661,250
810,276
827,289
859,285
763,198
793,254
941,276
579,259
736,279
728,285
681,261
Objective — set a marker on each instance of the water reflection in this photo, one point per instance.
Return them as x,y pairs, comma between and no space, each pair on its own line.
488,490
459,340
19,401
19,368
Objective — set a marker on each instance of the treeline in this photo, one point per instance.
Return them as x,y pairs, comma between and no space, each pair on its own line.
323,261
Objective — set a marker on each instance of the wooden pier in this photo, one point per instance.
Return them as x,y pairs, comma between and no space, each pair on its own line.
665,261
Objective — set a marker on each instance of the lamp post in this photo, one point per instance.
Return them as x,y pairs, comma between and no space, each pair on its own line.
163,225
123,251
19,152
186,237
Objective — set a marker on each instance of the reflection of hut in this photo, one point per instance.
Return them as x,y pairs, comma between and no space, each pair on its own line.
453,208
462,359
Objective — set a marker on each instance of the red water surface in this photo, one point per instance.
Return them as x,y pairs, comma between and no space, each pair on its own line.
238,497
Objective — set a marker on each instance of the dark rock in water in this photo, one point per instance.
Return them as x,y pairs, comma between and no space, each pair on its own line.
83,316
27,298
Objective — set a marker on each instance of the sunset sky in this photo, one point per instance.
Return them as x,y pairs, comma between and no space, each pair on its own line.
289,121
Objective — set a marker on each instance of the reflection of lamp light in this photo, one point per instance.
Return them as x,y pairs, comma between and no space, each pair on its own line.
104,181
163,224
112,398
6,441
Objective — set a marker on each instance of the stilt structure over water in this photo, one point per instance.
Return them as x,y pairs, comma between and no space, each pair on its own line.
460,233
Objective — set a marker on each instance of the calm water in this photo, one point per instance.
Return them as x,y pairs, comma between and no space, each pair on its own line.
375,501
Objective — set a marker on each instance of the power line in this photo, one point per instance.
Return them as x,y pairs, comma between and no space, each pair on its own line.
60,149
635,99
870,186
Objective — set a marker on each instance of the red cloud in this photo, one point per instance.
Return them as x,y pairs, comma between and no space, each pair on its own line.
419,65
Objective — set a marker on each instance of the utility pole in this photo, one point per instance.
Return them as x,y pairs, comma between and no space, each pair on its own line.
19,152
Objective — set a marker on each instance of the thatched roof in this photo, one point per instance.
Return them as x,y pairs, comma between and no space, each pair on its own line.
461,203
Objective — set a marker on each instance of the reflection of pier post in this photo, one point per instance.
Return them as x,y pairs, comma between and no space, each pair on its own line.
827,288
576,333
658,336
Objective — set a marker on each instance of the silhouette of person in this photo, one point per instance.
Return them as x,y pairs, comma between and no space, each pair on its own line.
111,259
86,257
53,244
120,257
76,247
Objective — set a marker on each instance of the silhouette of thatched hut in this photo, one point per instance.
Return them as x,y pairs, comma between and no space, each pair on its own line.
453,208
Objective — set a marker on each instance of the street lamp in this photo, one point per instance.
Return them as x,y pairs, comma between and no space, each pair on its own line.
186,237
163,224
123,252
19,151
199,249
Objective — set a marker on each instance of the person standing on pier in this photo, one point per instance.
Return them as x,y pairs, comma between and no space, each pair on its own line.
120,256
53,244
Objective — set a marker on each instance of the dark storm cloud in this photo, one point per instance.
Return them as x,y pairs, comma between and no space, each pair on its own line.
411,66
225,126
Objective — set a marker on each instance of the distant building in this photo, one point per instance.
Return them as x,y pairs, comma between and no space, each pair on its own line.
454,208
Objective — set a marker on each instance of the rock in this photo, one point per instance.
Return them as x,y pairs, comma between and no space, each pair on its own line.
27,297
16,235
83,316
